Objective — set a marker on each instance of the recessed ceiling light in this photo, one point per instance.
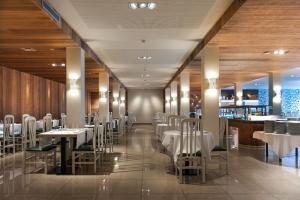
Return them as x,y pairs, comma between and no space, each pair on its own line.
58,64
144,57
28,49
151,5
142,5
51,49
279,52
147,75
133,6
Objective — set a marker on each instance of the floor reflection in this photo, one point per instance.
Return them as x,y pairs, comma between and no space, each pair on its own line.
139,169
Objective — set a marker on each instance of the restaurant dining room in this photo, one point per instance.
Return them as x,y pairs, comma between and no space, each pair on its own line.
149,100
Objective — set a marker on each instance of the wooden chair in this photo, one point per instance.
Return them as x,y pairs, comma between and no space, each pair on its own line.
189,158
88,154
37,154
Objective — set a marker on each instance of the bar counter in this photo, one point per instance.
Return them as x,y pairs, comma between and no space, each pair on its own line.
245,132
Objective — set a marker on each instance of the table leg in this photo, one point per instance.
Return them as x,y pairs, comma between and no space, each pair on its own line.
267,152
63,167
296,157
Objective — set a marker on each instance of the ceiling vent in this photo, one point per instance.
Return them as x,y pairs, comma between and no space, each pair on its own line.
51,11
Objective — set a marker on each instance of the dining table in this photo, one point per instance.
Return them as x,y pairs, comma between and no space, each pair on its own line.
79,136
282,144
171,141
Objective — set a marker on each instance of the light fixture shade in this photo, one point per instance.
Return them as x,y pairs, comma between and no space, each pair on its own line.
133,6
142,5
151,5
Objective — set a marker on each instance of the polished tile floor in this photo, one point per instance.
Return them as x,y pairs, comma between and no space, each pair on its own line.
140,170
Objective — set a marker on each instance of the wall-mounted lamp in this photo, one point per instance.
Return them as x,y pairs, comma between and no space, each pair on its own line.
116,100
122,101
174,99
185,94
74,89
239,98
167,99
103,97
212,83
277,94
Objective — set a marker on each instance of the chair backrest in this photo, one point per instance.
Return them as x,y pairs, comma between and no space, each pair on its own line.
89,119
98,137
174,122
191,129
23,128
63,120
9,126
30,124
223,132
47,123
96,119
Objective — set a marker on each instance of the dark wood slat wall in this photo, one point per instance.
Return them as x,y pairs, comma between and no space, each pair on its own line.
25,93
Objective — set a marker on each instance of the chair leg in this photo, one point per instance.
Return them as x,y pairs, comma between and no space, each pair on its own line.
46,162
73,163
95,163
203,170
180,176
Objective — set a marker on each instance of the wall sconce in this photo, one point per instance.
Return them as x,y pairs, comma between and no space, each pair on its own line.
212,87
185,95
103,97
116,99
122,101
239,98
73,91
277,94
167,99
174,99
212,83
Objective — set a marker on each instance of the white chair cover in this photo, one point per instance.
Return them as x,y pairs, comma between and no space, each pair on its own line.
23,128
9,128
63,120
30,123
47,123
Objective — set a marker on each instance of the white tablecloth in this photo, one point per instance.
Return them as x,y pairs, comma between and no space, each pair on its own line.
39,124
171,141
17,129
79,134
160,128
281,144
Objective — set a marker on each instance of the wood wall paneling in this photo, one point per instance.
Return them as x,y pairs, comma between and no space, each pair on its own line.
24,93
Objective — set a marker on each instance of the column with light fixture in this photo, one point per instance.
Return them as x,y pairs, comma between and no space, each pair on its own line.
75,86
174,102
185,93
122,102
210,90
116,100
168,100
238,94
104,96
275,93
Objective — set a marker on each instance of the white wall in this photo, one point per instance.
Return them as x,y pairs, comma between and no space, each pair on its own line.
144,103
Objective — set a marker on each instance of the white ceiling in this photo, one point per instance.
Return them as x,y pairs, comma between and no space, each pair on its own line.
115,33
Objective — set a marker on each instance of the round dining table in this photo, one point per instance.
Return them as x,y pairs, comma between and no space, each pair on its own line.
160,128
171,141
